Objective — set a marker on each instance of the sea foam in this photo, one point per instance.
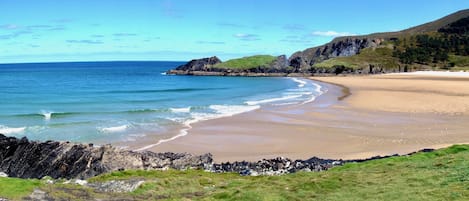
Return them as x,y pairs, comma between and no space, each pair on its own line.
181,110
11,130
301,83
47,114
220,111
114,129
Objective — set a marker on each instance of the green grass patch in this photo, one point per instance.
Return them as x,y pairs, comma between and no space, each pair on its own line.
15,189
248,62
381,56
459,62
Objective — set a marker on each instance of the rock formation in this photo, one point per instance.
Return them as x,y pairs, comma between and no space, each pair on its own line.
341,47
29,159
199,64
205,66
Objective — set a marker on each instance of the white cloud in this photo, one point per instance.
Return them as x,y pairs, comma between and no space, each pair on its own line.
9,26
331,33
247,37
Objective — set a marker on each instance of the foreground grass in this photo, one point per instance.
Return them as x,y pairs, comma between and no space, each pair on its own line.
248,62
439,175
14,188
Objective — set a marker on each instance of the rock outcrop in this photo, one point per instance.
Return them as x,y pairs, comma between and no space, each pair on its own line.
341,47
199,64
29,159
206,66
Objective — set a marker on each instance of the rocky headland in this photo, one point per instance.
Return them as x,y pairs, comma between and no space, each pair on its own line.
30,159
430,46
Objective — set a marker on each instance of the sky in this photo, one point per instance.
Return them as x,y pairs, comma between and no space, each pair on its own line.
180,30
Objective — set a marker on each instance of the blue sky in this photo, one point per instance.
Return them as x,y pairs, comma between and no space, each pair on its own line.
97,30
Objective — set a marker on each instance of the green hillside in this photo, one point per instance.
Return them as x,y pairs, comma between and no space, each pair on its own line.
439,175
441,44
381,56
247,62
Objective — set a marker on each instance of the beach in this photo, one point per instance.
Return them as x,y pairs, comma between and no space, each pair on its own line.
380,115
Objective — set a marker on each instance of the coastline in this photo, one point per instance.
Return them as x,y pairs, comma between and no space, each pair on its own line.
327,128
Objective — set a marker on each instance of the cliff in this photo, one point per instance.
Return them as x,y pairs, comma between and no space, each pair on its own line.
303,60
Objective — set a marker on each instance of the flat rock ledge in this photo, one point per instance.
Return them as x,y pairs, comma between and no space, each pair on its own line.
31,159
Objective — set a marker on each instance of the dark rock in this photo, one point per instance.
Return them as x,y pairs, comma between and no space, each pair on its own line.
344,47
199,64
25,159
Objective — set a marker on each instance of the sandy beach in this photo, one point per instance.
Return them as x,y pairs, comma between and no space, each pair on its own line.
383,114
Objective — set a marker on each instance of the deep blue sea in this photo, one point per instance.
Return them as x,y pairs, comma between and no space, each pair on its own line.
123,101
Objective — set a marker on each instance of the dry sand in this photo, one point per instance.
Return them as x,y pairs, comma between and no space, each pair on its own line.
385,114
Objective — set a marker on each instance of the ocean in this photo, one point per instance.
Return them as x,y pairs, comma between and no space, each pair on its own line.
118,102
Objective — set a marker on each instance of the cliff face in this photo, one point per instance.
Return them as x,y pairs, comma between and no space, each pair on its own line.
199,64
303,60
27,159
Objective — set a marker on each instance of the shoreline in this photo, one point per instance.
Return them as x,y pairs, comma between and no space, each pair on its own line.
316,129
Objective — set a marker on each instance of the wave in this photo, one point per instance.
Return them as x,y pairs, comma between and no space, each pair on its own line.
180,110
301,83
220,111
11,130
51,115
162,90
47,115
272,99
114,129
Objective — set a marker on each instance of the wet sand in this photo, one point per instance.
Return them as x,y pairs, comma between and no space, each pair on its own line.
384,114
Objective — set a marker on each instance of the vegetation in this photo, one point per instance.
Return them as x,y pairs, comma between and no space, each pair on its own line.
439,175
435,48
14,188
381,56
248,62
442,44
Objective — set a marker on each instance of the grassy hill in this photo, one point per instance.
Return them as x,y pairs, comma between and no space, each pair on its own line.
441,44
369,56
439,175
247,62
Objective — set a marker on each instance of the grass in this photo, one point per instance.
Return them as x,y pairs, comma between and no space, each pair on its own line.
14,188
460,62
439,175
248,62
381,56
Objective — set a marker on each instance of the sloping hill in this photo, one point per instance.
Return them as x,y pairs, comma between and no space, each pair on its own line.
352,45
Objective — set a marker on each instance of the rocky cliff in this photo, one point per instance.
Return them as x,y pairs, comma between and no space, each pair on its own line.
199,64
29,159
343,47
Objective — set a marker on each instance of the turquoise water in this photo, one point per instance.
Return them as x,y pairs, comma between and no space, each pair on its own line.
122,101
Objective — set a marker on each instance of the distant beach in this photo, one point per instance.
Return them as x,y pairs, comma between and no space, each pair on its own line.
384,114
